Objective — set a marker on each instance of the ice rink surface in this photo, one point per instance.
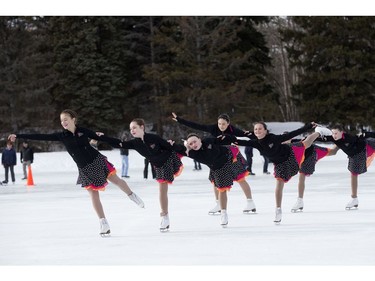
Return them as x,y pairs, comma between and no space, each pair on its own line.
53,223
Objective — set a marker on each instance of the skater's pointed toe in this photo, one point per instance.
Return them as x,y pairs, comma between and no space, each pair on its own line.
137,200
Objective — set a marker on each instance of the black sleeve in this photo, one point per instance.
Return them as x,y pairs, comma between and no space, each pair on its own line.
251,143
369,134
179,148
221,140
200,127
159,140
238,132
295,133
44,137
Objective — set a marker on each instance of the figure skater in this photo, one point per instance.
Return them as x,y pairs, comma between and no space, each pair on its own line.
360,151
159,152
94,168
223,161
312,155
223,127
287,159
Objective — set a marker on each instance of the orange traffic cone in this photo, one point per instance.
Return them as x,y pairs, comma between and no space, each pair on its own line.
30,181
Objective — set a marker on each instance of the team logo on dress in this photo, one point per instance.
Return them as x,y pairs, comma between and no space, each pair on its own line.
209,146
270,145
80,134
346,144
152,146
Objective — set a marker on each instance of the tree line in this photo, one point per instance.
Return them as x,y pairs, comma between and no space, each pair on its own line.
113,69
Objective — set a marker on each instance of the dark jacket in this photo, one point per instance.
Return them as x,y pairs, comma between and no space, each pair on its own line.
156,149
272,145
351,145
212,129
212,152
77,144
124,151
9,157
27,154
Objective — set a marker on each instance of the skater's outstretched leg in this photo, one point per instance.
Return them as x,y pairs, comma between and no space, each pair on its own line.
310,139
120,183
125,188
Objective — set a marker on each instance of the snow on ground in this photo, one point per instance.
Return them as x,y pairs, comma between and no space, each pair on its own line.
54,224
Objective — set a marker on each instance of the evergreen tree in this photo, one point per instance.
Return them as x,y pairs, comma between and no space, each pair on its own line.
205,66
90,60
26,76
337,57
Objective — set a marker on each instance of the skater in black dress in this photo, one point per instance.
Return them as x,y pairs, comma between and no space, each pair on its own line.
223,127
360,151
312,155
287,159
223,161
93,167
159,152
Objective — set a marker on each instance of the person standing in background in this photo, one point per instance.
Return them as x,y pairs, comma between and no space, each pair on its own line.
265,165
249,159
197,165
26,158
145,170
9,160
125,162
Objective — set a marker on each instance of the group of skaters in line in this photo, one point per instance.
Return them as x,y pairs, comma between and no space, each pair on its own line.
220,152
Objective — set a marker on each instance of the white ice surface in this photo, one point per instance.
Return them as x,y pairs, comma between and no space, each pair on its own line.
53,223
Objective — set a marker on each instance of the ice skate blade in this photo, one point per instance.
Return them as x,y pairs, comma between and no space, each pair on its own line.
214,213
250,212
106,234
277,222
300,210
165,229
224,225
351,208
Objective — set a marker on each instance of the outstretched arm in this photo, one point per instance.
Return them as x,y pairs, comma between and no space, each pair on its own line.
297,132
205,128
368,134
45,137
